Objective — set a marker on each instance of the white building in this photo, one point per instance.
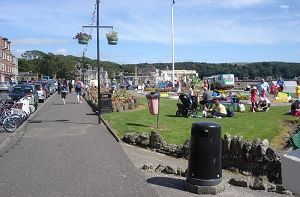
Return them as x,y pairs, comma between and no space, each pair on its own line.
166,75
91,75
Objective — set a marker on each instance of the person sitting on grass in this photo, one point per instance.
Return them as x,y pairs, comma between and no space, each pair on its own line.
295,108
217,110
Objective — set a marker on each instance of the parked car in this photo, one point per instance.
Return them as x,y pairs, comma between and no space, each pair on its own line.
5,86
13,83
55,83
41,92
52,88
21,90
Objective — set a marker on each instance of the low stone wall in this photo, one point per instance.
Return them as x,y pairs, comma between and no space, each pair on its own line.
249,158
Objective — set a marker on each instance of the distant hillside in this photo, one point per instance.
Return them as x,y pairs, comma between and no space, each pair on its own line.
64,66
241,70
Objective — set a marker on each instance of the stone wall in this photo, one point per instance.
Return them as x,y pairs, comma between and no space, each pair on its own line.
249,158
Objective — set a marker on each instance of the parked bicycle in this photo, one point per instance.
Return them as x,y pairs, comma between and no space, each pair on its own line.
13,115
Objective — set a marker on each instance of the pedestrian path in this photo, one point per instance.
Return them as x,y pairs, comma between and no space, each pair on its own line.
64,152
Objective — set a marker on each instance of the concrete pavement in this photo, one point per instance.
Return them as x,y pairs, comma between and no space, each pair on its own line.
62,151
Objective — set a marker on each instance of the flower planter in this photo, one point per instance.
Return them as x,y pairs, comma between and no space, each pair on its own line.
83,38
112,38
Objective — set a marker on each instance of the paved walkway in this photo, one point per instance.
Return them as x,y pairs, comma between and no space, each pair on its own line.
64,152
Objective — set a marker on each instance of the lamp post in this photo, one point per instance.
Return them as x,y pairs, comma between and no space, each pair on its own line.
98,59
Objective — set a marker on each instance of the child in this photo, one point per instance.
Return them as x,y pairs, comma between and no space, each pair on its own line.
265,104
253,98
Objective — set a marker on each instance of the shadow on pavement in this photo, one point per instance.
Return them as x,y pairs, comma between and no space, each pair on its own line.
61,121
91,114
169,182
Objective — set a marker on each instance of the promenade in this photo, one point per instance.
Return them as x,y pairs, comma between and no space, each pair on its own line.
62,151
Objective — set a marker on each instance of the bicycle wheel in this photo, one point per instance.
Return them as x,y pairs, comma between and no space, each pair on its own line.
18,119
9,124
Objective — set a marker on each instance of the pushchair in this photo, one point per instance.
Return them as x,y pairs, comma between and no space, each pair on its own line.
188,106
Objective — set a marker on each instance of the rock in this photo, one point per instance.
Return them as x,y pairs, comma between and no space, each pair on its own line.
247,153
265,143
125,106
170,149
240,144
148,167
186,148
234,147
270,153
119,107
159,168
168,170
156,141
259,183
282,190
256,142
130,138
240,182
226,142
271,187
180,172
246,173
131,104
143,140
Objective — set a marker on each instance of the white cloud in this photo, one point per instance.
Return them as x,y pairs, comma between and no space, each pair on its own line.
38,41
62,52
284,6
243,3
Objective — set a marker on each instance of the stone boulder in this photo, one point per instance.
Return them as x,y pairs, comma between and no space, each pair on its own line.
156,141
143,140
130,138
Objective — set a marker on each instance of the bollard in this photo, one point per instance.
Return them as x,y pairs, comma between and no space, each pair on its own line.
205,156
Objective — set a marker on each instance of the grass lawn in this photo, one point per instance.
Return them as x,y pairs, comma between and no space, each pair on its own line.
175,130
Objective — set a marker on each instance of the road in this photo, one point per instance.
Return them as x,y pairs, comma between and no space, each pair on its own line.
62,151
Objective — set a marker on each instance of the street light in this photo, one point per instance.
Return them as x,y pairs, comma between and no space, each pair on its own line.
98,59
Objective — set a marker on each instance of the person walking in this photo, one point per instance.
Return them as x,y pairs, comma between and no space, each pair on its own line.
70,86
280,84
78,90
263,88
64,92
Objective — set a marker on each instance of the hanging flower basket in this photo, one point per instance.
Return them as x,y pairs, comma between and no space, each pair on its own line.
112,38
83,38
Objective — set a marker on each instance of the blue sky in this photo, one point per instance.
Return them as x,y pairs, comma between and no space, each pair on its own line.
205,30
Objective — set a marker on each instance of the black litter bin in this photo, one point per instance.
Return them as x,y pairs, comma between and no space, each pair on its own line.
106,102
205,156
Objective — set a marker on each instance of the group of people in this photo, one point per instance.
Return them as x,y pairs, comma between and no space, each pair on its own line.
66,88
212,106
258,97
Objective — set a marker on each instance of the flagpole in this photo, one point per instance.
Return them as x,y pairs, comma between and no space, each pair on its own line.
173,43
